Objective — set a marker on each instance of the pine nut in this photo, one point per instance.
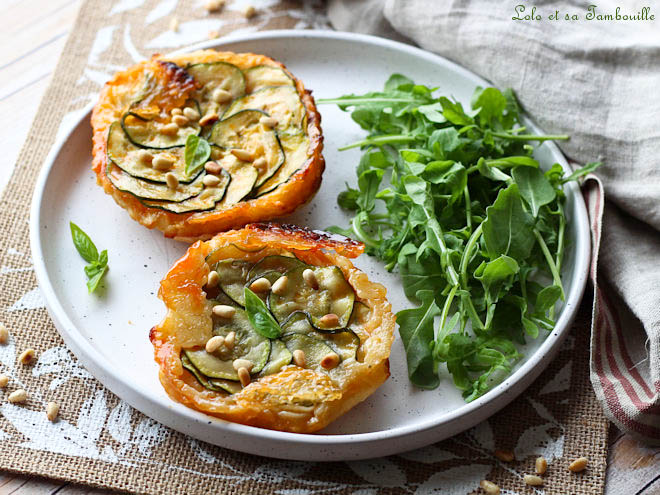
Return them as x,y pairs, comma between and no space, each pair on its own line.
579,464
279,287
172,181
230,340
212,167
244,376
4,380
243,155
260,285
533,480
17,396
541,465
211,180
52,410
190,113
310,278
259,162
145,156
174,24
176,111
242,363
330,361
249,11
504,455
213,279
220,95
27,356
268,121
208,118
214,343
330,320
162,162
169,129
224,311
489,487
180,120
4,334
214,5
299,358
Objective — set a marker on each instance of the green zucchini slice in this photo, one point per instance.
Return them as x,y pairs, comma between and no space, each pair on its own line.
249,345
344,342
205,200
280,102
263,76
334,295
243,178
295,149
243,130
274,264
315,349
126,156
146,133
151,190
214,75
280,356
215,384
233,274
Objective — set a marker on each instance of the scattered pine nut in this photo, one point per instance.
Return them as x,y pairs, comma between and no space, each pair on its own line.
180,120
172,181
220,95
52,410
4,380
260,285
4,334
268,121
176,111
259,162
310,278
27,356
190,113
533,480
280,285
214,343
212,167
579,464
174,24
489,487
504,455
17,396
145,156
214,5
243,155
244,376
208,118
541,465
224,311
329,321
330,361
242,363
299,358
211,180
230,340
213,279
249,11
169,129
162,162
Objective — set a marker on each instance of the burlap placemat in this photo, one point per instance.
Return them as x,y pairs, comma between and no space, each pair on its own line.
102,441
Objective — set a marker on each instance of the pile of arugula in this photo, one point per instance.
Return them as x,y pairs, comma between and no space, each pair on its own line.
455,200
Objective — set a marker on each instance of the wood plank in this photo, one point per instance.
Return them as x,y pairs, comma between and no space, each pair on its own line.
632,468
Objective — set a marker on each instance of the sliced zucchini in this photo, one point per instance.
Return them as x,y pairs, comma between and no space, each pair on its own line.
152,190
206,200
146,133
295,150
360,313
315,349
243,178
280,102
345,342
215,384
243,130
214,75
280,356
334,295
274,264
263,76
249,345
126,156
233,274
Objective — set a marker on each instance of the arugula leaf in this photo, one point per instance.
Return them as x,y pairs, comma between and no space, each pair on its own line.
260,318
534,187
582,171
97,263
196,154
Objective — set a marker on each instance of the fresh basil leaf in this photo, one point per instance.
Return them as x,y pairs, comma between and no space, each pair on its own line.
95,279
196,154
534,187
260,318
83,244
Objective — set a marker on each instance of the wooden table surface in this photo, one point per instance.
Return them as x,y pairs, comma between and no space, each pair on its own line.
30,45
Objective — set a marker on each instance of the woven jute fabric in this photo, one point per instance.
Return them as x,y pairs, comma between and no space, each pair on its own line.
101,441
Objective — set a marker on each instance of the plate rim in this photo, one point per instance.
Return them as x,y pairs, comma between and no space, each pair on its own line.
497,397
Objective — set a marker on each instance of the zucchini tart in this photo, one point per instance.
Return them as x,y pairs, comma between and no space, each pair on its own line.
203,142
273,326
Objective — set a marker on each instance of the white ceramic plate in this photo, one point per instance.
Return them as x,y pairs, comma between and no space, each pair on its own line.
108,332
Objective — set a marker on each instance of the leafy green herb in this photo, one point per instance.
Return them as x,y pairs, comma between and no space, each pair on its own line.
97,264
259,316
453,198
196,154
